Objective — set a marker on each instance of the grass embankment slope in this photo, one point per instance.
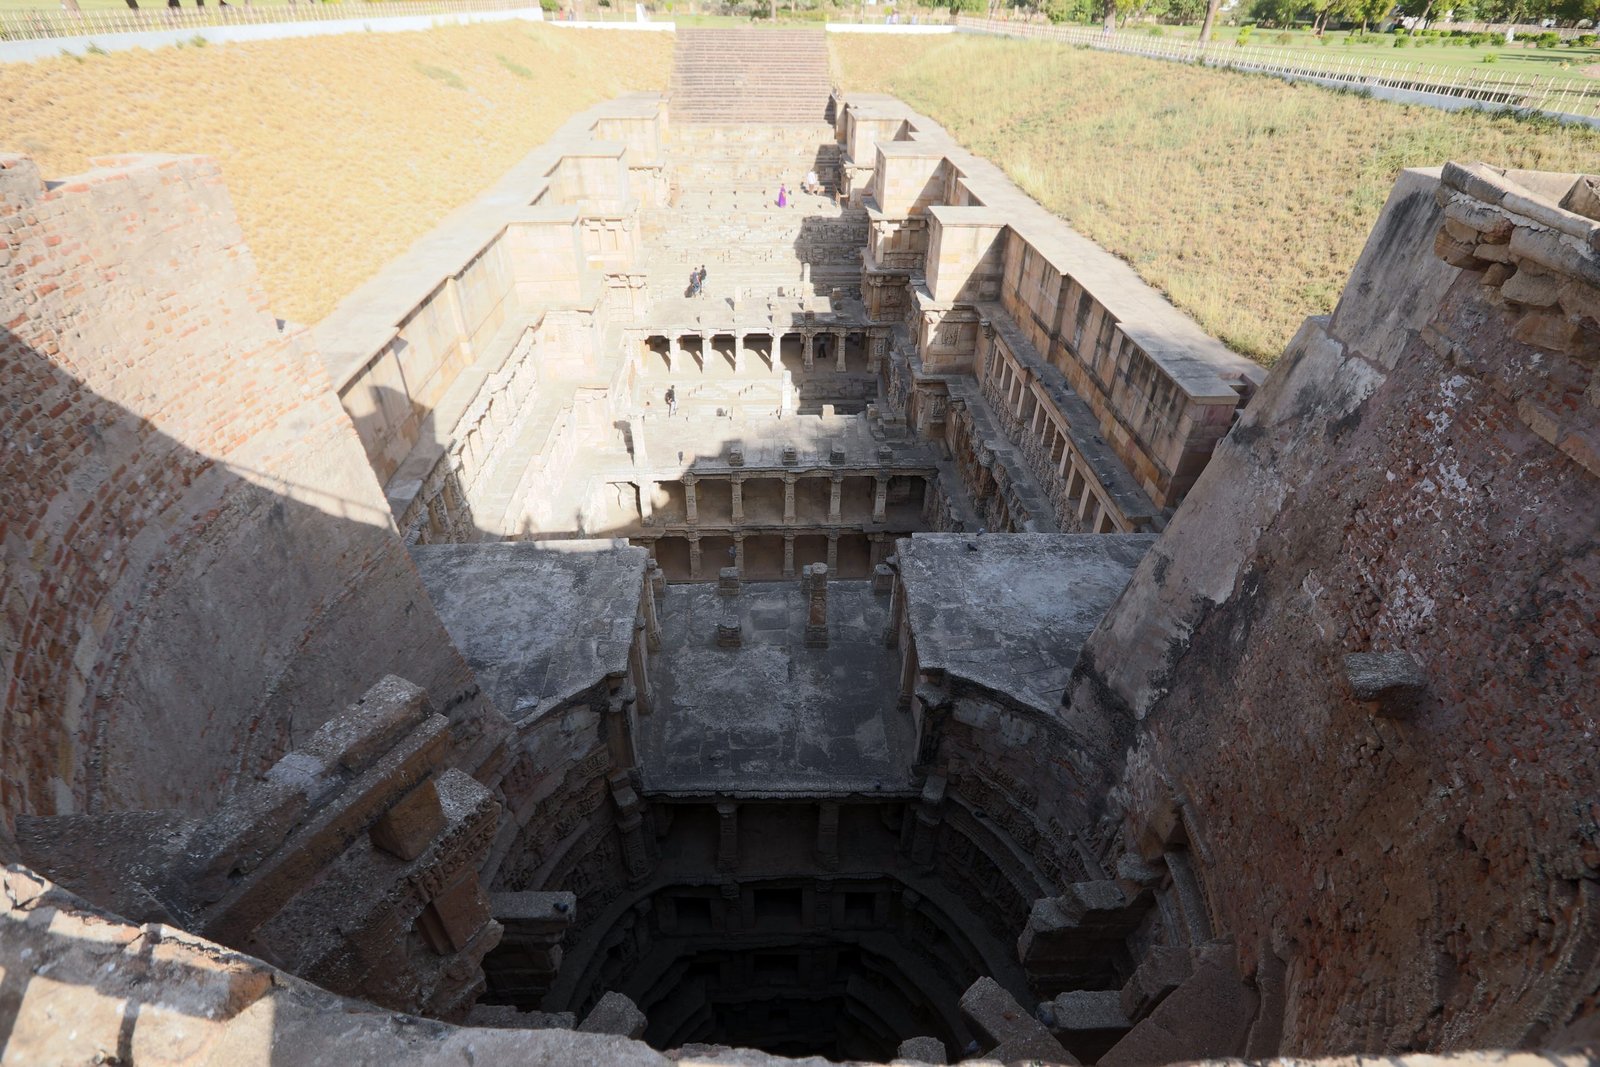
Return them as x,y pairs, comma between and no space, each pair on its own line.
338,151
1246,199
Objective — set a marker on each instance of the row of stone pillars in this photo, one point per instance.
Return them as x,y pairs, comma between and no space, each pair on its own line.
880,496
876,347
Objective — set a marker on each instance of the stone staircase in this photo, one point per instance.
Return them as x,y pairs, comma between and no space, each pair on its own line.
750,75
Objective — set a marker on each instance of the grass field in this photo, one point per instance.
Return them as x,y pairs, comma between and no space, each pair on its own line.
1245,198
1518,58
338,151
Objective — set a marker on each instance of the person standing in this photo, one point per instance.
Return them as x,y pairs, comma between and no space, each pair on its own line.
672,400
700,286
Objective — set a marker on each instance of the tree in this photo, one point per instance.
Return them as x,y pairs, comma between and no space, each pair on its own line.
1275,12
1211,19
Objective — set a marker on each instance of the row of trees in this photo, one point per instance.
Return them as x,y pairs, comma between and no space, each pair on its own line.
1320,13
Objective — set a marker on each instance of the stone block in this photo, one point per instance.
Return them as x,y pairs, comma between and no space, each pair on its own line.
550,913
883,579
728,581
1532,287
1085,1009
1551,331
790,456
507,1017
1207,1017
836,454
885,454
615,1014
454,917
1163,969
735,457
406,829
358,735
1394,681
729,632
921,1050
1015,1033
1454,252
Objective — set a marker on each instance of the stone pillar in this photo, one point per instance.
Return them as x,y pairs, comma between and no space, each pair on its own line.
897,609
658,579
738,553
839,338
817,612
833,549
652,618
694,556
835,490
788,498
635,851
882,579
925,833
705,351
673,352
727,836
738,352
828,835
788,555
738,499
880,499
690,506
810,357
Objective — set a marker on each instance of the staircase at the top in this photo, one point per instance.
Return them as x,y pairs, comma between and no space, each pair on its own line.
750,75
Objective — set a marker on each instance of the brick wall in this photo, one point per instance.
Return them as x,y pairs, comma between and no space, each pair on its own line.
1431,880
199,567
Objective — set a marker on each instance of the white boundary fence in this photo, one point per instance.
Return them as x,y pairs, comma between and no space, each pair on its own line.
1439,84
154,15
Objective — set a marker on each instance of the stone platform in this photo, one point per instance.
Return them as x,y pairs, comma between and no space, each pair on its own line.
773,717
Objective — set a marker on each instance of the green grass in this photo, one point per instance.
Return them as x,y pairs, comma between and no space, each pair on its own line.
1518,58
1245,198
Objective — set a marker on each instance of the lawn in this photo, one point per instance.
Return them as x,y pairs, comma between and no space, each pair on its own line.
1245,198
1518,58
338,151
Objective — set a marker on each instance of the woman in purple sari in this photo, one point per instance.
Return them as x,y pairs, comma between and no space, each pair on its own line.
783,196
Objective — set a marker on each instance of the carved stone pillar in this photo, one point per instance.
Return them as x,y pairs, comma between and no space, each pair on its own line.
809,358
738,498
817,610
652,618
673,352
833,550
635,850
727,836
788,498
690,507
694,556
880,499
788,555
835,491
738,553
647,493
880,349
839,339
738,352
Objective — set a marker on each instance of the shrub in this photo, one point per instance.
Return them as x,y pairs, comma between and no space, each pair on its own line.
1283,38
1586,40
1155,31
1402,41
550,5
1548,39
1492,57
1244,34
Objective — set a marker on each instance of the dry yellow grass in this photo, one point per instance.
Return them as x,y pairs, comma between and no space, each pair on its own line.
338,151
1246,199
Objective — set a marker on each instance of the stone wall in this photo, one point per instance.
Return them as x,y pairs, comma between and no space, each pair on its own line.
1417,848
436,357
199,566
